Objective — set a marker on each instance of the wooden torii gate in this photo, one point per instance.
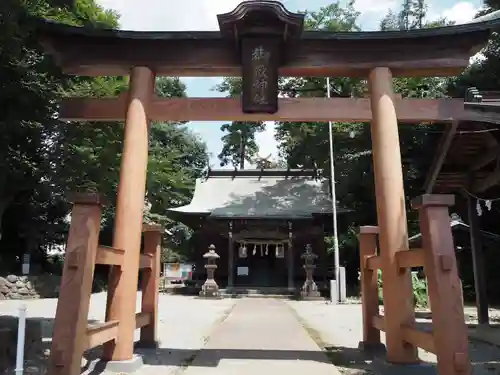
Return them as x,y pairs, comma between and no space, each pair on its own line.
261,41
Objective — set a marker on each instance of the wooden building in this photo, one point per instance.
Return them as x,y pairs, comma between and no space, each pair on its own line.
260,222
467,164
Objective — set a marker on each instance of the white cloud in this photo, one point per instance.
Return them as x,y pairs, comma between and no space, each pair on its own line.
461,12
158,15
379,7
266,141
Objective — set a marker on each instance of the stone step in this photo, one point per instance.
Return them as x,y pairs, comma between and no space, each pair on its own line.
243,290
263,292
257,295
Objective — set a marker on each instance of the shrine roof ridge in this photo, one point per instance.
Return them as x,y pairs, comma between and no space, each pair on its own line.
270,172
59,29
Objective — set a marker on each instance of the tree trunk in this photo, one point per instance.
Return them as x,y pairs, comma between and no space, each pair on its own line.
242,154
3,207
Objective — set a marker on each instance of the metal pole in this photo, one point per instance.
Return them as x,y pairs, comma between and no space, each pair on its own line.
21,332
334,202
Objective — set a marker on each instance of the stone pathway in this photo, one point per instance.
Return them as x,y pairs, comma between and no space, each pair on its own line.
260,336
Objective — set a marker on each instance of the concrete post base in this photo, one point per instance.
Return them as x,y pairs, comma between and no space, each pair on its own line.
122,367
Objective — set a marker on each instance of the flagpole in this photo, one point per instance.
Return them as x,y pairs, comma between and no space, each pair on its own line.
334,201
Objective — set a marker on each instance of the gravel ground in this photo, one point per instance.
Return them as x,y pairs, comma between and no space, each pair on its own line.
339,329
184,325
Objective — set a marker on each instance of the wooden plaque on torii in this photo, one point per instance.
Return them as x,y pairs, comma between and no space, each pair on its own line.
261,33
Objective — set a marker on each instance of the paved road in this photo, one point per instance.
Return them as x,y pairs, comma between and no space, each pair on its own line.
260,336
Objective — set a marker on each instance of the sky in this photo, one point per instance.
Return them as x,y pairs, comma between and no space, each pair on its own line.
196,15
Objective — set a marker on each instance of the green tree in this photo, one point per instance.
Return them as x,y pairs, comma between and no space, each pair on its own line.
484,73
238,142
42,158
306,144
31,204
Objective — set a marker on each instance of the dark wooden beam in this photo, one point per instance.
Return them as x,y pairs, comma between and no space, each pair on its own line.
486,158
440,156
293,110
479,112
480,186
478,267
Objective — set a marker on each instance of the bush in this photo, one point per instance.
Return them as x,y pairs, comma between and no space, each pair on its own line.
419,287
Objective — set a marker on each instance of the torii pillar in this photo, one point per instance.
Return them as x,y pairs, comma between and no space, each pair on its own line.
391,214
123,281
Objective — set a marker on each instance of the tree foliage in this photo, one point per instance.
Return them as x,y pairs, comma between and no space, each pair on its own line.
42,158
32,208
306,144
238,142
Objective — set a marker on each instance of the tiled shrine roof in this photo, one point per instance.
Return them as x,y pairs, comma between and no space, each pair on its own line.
260,194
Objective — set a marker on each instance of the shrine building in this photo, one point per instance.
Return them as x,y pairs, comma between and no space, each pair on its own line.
260,222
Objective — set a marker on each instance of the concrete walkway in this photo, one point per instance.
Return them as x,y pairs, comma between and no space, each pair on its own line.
260,336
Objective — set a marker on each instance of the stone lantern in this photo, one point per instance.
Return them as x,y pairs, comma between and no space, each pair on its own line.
309,289
210,289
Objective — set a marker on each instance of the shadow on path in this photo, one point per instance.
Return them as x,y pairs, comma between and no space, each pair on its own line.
212,357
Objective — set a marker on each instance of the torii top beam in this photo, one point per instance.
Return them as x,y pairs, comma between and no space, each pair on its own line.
442,51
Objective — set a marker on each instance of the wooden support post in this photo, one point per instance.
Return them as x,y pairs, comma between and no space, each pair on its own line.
391,213
369,286
289,267
151,285
478,268
448,323
122,292
290,260
230,257
69,337
230,264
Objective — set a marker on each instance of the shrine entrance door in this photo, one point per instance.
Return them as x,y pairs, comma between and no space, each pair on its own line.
263,266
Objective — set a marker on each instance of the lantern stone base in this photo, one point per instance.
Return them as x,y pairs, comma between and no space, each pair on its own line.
210,289
310,291
311,296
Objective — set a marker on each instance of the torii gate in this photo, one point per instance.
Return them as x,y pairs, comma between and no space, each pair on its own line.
262,41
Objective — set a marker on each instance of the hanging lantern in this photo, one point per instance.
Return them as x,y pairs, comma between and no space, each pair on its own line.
478,208
280,251
488,204
242,251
